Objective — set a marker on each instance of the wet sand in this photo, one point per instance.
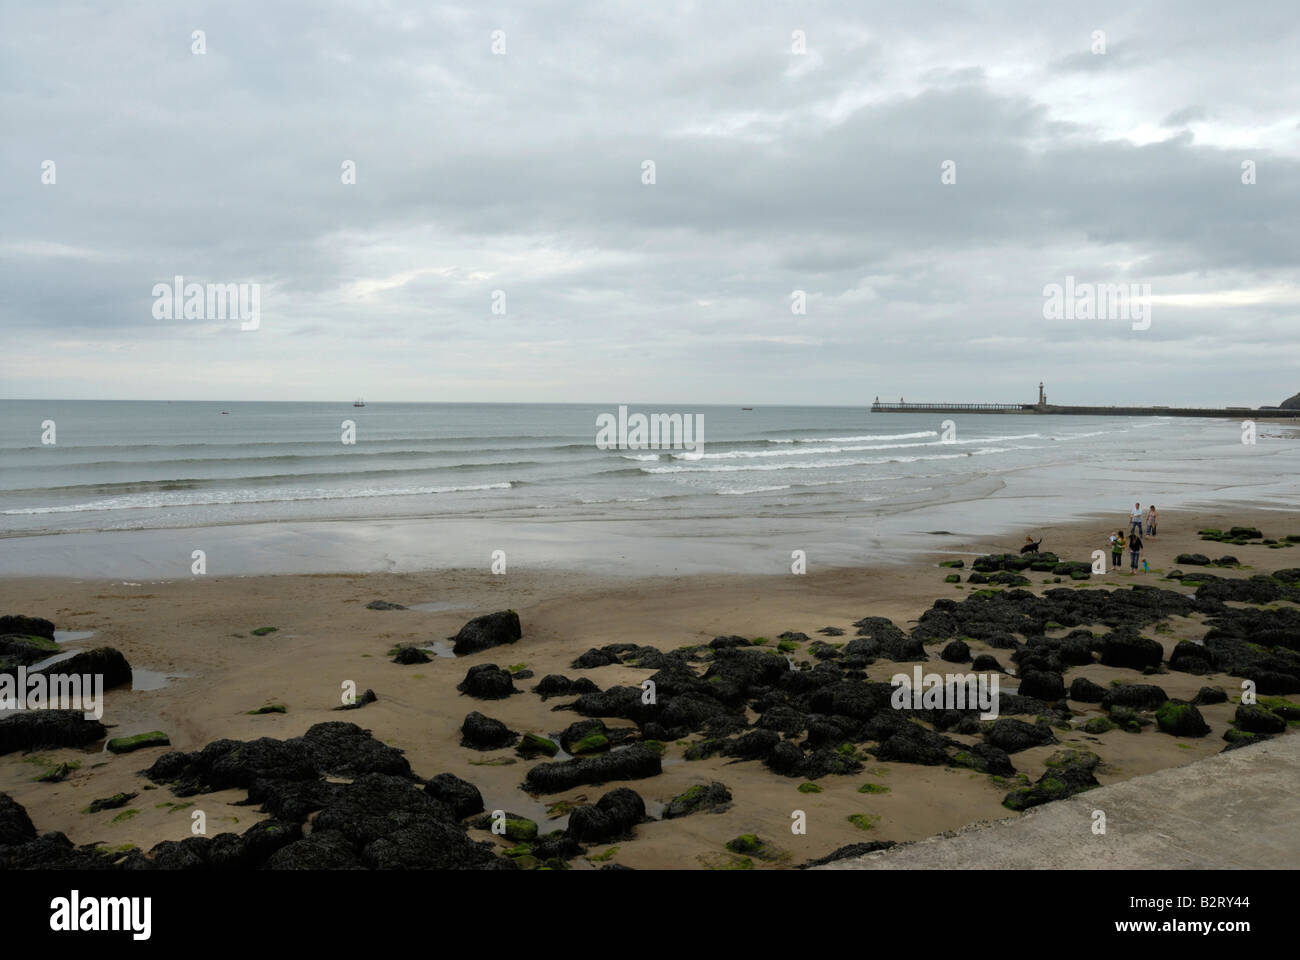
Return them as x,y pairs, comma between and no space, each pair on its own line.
201,627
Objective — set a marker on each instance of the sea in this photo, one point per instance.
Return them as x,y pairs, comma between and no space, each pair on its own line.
81,467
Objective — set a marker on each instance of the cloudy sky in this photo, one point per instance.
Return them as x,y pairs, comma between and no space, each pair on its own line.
774,171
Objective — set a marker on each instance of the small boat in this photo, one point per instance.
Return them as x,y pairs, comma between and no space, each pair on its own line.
358,402
746,408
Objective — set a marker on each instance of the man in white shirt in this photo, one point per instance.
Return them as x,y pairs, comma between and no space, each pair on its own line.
1135,520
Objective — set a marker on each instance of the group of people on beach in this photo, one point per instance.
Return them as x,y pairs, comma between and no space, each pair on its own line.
1133,541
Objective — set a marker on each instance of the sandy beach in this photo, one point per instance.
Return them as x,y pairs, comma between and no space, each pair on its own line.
198,632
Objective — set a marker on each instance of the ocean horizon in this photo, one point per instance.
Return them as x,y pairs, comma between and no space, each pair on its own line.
840,477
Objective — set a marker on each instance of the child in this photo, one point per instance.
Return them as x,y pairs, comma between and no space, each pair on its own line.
1117,549
1134,551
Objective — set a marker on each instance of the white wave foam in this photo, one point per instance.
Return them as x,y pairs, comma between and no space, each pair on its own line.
249,496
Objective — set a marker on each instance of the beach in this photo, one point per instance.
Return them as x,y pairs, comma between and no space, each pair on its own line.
198,631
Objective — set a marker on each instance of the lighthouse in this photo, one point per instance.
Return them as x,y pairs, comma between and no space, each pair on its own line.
1042,395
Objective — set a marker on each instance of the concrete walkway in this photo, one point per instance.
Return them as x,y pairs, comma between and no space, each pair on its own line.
1232,810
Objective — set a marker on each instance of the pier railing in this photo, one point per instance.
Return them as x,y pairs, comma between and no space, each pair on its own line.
949,406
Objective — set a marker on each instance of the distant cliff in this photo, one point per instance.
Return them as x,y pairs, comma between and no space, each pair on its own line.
1291,403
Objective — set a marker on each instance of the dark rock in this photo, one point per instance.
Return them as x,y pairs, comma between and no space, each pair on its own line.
1140,696
1181,720
487,681
383,605
987,663
105,661
1085,691
359,702
1013,735
484,733
985,758
612,817
1254,718
1068,772
407,655
42,729
1192,560
1042,685
320,850
1126,648
534,745
1209,695
461,796
956,652
913,743
15,826
1189,657
27,626
110,803
696,799
594,658
491,630
852,850
633,763
346,750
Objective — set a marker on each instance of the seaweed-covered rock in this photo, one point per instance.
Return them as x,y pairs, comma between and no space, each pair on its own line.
612,817
1181,719
1068,772
535,745
987,663
1192,560
632,763
487,681
1255,718
384,605
407,655
139,741
484,733
490,630
697,798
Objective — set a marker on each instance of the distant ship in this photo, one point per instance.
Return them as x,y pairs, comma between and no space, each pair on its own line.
746,408
358,402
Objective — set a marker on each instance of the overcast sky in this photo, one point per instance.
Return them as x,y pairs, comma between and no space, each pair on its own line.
775,171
